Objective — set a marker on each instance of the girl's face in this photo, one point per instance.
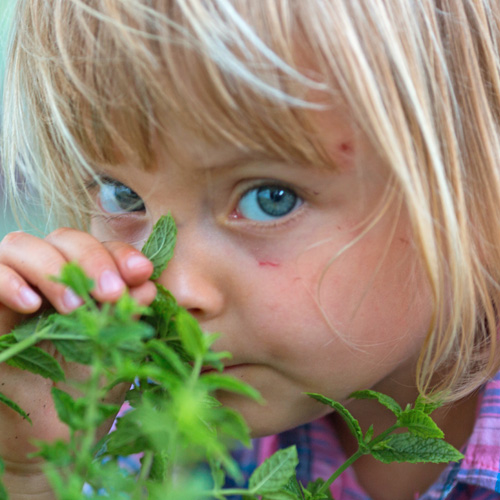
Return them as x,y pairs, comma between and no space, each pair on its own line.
268,254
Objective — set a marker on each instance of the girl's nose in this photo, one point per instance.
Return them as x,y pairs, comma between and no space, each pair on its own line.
192,279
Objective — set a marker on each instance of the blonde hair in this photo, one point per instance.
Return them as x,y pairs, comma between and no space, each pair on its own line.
90,80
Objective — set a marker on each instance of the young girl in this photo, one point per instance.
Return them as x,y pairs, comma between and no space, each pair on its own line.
333,169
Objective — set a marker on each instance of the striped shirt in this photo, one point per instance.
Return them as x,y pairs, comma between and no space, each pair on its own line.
475,477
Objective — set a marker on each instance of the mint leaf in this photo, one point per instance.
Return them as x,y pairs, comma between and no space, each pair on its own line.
426,405
420,424
312,492
36,360
163,309
390,403
67,409
190,333
166,358
159,248
293,486
351,422
230,423
275,472
73,276
32,325
120,334
410,448
78,351
216,381
14,406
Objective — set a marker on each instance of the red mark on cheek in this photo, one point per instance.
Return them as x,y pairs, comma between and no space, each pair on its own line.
268,263
345,147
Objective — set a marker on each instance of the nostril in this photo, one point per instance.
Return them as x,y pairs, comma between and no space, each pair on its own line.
195,311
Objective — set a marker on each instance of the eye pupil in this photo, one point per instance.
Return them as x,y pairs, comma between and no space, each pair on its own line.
276,201
115,197
127,199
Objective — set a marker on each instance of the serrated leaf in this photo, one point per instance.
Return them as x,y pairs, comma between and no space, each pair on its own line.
55,452
36,360
420,424
426,405
132,333
14,406
230,423
159,248
127,307
275,472
351,422
159,467
218,475
190,333
390,403
313,490
293,486
73,276
216,381
167,358
67,409
410,448
79,351
127,439
32,325
369,434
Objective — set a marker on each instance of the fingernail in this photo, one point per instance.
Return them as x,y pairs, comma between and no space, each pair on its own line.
110,282
136,262
28,297
71,299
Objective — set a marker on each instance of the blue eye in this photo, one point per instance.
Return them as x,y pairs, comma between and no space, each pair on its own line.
117,198
268,203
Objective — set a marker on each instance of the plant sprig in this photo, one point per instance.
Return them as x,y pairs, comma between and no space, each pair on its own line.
175,422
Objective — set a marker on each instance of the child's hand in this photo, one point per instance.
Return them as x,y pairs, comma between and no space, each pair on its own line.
26,265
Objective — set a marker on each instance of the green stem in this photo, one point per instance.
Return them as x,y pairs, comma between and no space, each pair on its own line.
92,395
22,345
358,454
341,469
226,492
147,461
195,374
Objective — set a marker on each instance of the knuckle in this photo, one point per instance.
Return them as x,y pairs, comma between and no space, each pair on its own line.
13,238
58,233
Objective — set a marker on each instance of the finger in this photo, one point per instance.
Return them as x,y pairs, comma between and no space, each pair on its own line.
144,294
134,267
16,294
33,261
94,258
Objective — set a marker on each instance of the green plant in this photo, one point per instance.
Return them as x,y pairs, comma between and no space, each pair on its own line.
184,434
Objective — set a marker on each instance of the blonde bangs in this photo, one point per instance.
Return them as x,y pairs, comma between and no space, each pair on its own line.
96,79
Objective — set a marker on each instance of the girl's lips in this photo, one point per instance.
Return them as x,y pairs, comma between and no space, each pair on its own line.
208,369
